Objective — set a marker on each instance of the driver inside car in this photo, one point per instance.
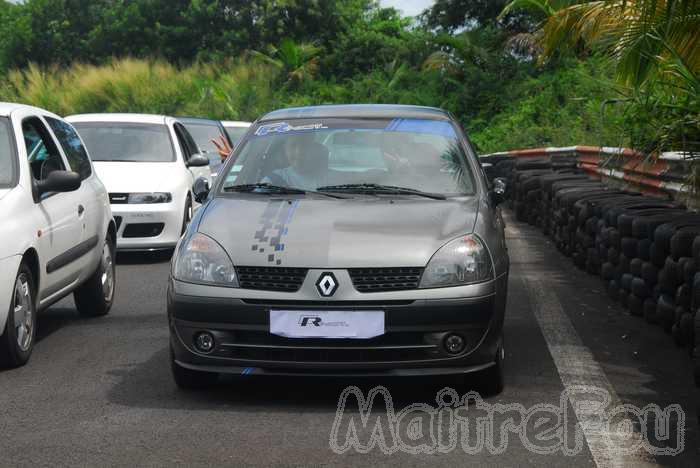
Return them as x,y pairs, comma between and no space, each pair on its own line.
308,164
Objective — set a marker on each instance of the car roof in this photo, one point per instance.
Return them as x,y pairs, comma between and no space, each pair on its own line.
114,117
359,111
7,108
235,123
198,121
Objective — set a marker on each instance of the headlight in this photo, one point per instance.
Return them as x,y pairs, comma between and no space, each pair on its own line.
200,259
462,261
156,197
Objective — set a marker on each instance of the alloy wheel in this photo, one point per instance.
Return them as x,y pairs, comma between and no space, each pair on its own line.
107,273
23,313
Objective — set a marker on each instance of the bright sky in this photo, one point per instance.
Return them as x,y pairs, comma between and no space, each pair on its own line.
408,7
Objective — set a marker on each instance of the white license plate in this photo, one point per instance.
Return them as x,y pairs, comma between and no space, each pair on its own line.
327,323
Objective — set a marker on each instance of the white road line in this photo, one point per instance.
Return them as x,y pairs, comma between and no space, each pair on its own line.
575,363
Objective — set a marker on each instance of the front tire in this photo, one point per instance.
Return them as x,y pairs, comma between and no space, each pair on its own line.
94,298
188,379
17,340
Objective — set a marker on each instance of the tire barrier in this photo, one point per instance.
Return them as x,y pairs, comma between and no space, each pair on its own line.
645,248
663,175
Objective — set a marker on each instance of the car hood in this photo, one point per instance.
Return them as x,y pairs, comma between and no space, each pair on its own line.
131,177
326,233
3,192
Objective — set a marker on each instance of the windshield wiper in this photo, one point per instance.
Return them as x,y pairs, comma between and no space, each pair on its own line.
265,187
378,188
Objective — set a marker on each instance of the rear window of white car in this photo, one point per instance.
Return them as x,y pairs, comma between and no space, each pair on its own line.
203,135
8,156
126,142
235,133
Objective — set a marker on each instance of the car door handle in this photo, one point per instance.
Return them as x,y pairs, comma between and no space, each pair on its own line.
81,210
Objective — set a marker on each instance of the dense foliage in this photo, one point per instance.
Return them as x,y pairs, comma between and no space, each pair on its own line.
654,47
237,59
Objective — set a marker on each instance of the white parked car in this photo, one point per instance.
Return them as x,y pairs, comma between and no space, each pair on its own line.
148,164
57,234
205,132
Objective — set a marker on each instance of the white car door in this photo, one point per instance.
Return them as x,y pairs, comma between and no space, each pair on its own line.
58,220
89,201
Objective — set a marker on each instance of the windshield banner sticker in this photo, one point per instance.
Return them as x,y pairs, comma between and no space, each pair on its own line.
434,127
284,127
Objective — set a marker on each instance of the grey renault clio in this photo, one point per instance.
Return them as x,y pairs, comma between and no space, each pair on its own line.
350,240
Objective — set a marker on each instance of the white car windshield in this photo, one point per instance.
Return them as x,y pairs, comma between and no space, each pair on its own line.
7,155
350,154
126,142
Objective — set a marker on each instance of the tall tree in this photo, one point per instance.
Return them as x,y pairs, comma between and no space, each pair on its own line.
63,31
452,15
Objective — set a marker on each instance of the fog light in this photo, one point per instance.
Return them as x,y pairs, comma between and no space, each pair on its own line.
454,344
204,342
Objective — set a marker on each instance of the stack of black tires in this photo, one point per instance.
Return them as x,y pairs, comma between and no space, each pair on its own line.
646,249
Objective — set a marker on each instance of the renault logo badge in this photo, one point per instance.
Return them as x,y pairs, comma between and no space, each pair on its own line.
327,284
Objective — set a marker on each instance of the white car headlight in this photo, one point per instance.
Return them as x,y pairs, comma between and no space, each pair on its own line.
155,197
200,259
461,261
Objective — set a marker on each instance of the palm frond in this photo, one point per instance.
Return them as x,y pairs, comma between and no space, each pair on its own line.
637,34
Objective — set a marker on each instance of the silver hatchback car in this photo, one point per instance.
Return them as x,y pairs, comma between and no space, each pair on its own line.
359,240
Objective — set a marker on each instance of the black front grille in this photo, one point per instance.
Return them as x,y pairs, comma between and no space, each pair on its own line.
271,278
326,304
118,221
368,280
118,198
391,347
143,230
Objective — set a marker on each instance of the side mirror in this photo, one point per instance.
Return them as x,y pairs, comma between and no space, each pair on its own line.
201,189
198,160
59,181
498,190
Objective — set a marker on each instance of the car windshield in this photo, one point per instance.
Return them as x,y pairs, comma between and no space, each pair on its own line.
203,134
7,155
235,133
353,155
126,142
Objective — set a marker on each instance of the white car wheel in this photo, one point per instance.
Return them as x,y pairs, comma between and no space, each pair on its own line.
17,341
95,297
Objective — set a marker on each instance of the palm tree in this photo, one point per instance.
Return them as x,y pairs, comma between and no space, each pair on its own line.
643,37
298,62
455,51
655,49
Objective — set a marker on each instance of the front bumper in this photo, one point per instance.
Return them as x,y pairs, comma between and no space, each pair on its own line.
413,343
131,219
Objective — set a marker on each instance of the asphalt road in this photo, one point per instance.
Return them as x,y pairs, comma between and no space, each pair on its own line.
99,391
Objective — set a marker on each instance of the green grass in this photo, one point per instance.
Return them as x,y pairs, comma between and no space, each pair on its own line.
235,90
